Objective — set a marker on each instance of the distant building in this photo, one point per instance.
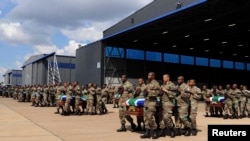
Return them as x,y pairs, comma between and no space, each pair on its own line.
37,69
13,77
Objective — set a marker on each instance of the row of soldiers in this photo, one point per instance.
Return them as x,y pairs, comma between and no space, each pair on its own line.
162,102
69,97
236,101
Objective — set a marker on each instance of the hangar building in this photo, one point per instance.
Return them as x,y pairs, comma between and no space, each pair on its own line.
203,39
48,69
13,77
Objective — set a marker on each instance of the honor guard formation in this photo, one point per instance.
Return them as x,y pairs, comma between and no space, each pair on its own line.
167,109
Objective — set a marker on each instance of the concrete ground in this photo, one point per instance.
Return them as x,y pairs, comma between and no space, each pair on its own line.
22,122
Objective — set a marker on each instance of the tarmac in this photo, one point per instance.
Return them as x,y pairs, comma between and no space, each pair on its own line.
19,121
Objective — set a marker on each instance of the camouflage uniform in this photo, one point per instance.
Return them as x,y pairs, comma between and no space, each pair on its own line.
139,94
152,91
183,102
206,94
69,93
247,94
228,103
167,99
194,99
77,93
90,101
127,89
59,90
242,102
235,94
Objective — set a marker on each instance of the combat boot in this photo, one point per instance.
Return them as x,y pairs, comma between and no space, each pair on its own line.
146,134
155,134
177,131
225,116
172,132
122,129
188,132
194,132
57,111
138,128
133,127
162,133
206,114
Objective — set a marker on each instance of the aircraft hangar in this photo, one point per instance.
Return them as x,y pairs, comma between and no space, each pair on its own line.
207,40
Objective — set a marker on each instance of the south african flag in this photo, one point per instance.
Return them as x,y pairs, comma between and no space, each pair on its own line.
216,99
135,102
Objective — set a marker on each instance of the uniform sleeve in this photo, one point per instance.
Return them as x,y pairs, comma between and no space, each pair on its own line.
172,91
197,94
247,93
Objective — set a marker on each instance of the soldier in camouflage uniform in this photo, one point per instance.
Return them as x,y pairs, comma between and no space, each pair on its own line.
235,95
69,93
139,94
246,93
45,95
183,102
242,102
195,96
90,99
228,103
98,97
206,94
126,89
58,91
168,95
39,97
15,94
151,92
77,92
29,91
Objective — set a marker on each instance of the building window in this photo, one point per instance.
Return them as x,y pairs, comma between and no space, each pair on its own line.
17,75
171,58
114,52
153,56
239,66
228,64
201,61
188,60
215,63
248,66
135,54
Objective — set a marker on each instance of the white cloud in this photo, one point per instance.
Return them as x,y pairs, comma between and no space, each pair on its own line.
2,72
19,64
70,49
83,34
13,32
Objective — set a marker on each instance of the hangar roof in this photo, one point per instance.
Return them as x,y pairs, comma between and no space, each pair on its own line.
214,29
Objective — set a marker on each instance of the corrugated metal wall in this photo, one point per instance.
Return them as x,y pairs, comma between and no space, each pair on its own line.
37,72
87,58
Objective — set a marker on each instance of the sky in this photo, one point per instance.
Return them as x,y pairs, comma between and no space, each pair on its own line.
31,27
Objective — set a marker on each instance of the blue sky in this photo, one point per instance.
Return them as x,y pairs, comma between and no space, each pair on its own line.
30,27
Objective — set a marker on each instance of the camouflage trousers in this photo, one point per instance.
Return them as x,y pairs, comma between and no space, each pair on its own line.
242,107
167,121
248,107
207,108
149,114
123,117
78,102
183,116
193,115
90,105
235,106
228,107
